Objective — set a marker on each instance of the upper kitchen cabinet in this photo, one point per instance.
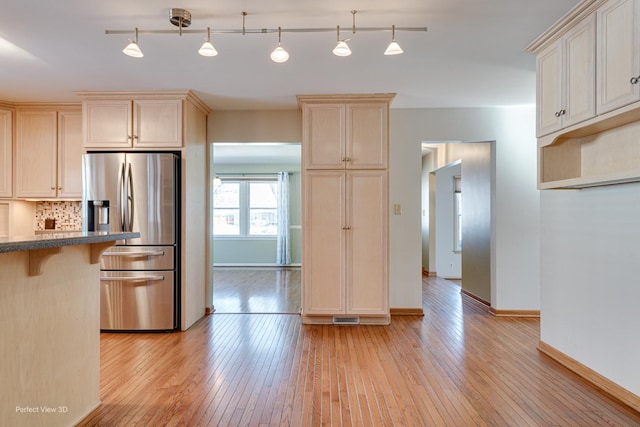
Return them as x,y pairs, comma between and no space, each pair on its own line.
70,154
618,54
345,132
601,149
6,159
48,152
139,123
566,79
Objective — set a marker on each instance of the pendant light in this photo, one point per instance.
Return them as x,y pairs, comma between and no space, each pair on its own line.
207,48
132,48
393,48
279,54
342,48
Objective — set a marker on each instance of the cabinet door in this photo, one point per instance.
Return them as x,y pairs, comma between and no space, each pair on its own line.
618,54
107,124
549,91
367,243
324,137
367,136
6,158
157,124
579,66
324,243
35,166
70,155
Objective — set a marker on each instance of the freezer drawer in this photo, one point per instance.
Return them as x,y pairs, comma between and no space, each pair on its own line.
138,258
140,300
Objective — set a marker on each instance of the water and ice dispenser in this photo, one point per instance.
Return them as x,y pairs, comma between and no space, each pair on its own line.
98,215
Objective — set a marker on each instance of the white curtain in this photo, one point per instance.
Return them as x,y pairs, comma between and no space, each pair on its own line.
283,249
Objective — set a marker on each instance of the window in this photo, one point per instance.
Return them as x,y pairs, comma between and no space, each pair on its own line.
457,214
245,208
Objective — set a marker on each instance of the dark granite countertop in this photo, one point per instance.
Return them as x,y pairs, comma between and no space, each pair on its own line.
54,240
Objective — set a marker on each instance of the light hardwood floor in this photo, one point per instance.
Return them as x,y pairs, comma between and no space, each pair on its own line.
456,366
256,290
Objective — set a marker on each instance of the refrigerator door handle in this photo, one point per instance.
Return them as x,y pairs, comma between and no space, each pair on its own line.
134,254
130,198
149,278
121,198
128,204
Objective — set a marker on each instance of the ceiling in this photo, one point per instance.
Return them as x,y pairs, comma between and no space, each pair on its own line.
471,56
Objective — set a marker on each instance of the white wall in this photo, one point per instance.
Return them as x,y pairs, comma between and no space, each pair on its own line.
515,284
448,262
515,246
590,245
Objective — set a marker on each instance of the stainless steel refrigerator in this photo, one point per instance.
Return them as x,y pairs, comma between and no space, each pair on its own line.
139,277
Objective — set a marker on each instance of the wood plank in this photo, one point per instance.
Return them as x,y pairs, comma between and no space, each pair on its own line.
456,365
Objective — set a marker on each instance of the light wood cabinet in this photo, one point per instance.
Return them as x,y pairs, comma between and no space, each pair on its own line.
345,257
618,54
6,152
48,157
70,154
345,209
346,135
139,123
600,149
566,79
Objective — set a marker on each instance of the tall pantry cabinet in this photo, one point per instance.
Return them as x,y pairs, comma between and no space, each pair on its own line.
345,208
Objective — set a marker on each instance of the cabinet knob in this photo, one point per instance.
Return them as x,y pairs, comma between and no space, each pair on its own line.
634,80
53,187
129,137
346,228
59,188
135,136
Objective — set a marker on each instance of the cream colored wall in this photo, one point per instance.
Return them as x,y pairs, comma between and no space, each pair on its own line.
196,282
20,217
255,126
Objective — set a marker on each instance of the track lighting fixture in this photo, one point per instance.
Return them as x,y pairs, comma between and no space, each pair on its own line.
207,48
133,49
393,48
279,54
181,18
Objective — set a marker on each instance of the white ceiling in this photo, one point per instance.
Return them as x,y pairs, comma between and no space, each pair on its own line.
471,56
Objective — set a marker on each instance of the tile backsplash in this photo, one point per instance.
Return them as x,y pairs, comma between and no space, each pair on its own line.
67,215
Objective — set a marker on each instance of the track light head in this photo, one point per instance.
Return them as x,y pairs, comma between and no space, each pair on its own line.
132,49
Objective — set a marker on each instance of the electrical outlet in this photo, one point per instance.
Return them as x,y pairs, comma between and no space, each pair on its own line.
397,209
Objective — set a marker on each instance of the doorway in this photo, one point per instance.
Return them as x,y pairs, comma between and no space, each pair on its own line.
457,237
256,227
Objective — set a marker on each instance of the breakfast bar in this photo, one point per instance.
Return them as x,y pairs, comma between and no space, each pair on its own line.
50,326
